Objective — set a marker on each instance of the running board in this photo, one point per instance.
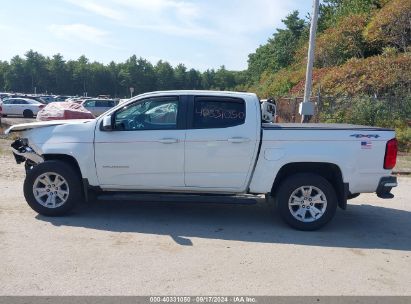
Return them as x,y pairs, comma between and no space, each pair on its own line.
186,198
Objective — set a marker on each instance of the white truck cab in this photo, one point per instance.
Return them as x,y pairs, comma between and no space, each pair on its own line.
197,142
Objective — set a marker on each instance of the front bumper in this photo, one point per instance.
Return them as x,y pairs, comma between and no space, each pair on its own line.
385,185
23,152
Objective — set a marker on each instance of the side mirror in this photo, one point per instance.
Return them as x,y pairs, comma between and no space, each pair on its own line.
107,124
268,111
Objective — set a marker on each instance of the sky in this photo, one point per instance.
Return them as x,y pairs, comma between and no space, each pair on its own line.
200,34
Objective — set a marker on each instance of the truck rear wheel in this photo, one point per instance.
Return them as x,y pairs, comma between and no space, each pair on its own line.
52,188
306,201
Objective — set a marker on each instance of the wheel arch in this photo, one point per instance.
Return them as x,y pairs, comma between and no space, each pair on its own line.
65,158
30,112
74,164
329,171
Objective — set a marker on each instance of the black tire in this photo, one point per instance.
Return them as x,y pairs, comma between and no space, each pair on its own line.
291,184
64,170
28,114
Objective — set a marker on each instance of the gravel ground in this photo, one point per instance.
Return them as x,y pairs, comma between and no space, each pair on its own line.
140,248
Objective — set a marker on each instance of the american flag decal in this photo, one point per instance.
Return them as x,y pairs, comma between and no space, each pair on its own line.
366,145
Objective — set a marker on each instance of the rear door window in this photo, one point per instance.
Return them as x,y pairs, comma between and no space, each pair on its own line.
105,103
20,101
218,112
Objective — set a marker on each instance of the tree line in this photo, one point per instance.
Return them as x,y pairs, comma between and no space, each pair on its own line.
55,75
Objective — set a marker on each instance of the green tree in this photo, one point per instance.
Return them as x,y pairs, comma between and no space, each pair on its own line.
80,75
208,79
77,77
59,77
193,80
37,70
113,70
16,77
224,79
4,67
180,73
164,75
279,51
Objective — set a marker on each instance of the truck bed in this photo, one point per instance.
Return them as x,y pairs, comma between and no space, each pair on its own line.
358,151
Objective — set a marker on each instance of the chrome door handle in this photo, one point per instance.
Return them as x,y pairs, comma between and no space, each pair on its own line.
238,139
168,140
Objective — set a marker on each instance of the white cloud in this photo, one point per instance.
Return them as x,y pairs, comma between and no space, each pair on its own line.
230,28
99,9
170,17
5,27
228,20
182,8
78,31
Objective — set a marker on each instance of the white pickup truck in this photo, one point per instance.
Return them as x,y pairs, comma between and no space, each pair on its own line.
204,142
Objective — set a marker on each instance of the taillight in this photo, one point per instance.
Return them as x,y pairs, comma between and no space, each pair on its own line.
390,157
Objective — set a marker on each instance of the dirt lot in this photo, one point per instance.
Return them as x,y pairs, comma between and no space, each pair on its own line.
140,248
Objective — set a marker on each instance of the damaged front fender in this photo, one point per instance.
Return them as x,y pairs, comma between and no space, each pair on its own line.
22,152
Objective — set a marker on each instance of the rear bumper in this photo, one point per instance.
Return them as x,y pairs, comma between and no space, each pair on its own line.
385,185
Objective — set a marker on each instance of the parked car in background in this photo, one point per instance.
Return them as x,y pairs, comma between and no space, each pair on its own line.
5,95
39,99
123,100
60,98
98,106
64,110
77,99
47,98
20,107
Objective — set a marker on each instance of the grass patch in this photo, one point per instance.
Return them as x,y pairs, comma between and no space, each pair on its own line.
403,162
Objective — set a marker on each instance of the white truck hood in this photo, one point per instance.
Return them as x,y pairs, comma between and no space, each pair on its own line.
41,124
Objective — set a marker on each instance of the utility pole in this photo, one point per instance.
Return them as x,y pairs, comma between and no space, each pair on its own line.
306,108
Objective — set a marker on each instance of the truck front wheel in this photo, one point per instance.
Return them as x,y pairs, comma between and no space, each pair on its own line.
306,201
52,188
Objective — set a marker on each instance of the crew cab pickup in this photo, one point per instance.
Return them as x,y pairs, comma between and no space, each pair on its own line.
204,142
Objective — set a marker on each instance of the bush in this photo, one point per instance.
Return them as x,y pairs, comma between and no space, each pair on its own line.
391,25
388,113
404,138
342,42
377,75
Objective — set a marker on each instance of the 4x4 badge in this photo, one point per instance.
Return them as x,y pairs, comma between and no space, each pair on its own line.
365,135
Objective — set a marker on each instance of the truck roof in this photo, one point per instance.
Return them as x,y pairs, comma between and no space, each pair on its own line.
199,92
